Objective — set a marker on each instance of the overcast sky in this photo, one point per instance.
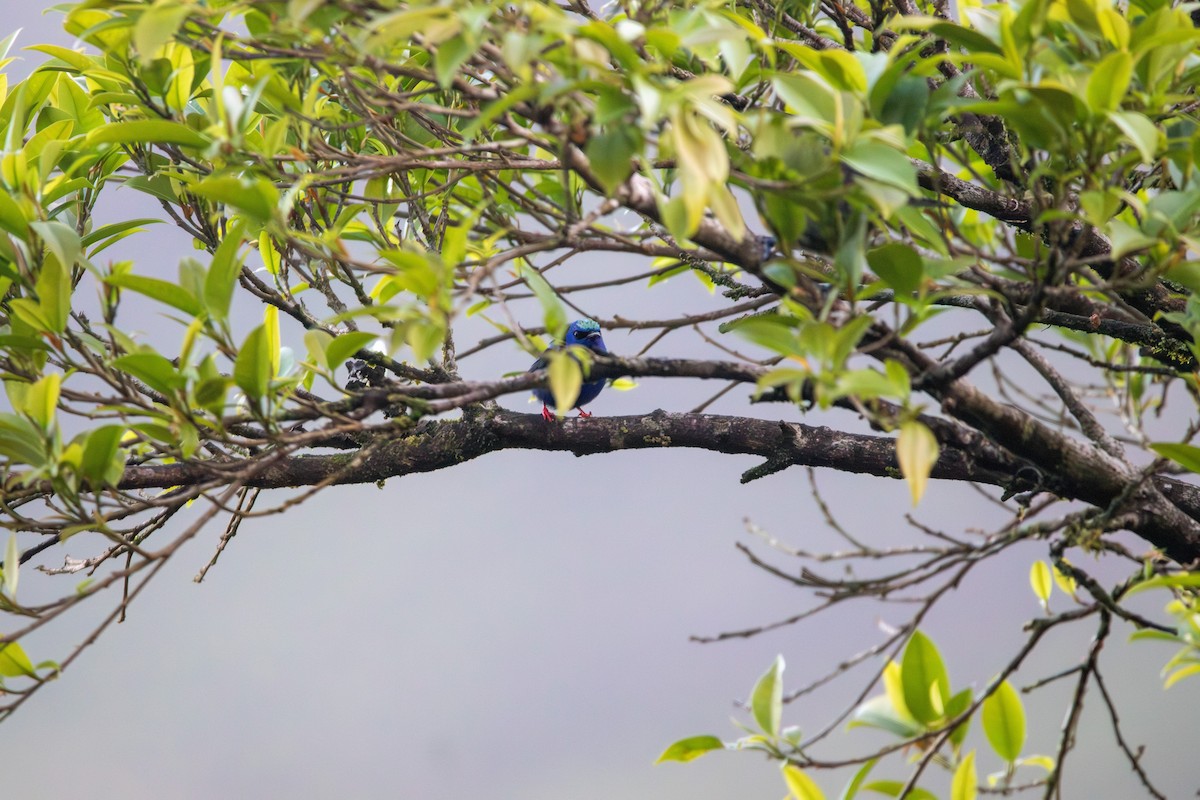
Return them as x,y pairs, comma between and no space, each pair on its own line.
518,628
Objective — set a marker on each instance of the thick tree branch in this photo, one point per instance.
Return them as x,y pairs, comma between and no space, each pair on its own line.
445,444
439,445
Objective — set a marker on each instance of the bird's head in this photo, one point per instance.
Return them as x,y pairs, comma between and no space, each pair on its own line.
586,332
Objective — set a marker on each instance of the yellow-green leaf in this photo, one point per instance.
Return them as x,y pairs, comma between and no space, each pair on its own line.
146,131
1181,673
252,369
894,689
964,785
917,452
1039,579
1004,722
691,748
157,25
103,461
271,326
1044,762
1187,455
41,400
924,679
894,789
766,700
566,378
800,785
1065,582
1108,82
12,566
14,663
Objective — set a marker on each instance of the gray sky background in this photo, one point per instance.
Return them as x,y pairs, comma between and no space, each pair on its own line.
517,627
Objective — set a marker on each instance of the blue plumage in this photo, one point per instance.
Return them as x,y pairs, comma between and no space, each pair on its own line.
586,333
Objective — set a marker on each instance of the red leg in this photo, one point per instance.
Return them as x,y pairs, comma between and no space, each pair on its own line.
583,413
547,414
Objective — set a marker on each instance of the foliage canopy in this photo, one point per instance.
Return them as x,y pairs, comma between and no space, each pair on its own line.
892,206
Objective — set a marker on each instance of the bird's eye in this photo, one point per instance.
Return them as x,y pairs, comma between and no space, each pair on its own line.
580,334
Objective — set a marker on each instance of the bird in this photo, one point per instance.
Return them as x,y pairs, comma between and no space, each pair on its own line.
586,333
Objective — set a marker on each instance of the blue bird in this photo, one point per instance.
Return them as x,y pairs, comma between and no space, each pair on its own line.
584,332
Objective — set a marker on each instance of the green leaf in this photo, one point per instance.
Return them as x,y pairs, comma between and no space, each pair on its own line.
884,164
424,336
893,789
12,217
1109,81
317,342
610,155
899,266
152,369
346,345
1184,579
54,294
159,186
880,712
1004,722
20,442
74,58
105,235
435,25
917,452
60,239
959,703
1139,130
257,198
41,400
840,68
691,748
252,368
1039,579
103,461
171,294
799,784
223,273
766,700
856,782
157,26
268,252
771,331
147,131
1186,455
449,57
210,393
12,566
964,785
969,39
553,314
924,678
810,100
14,663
